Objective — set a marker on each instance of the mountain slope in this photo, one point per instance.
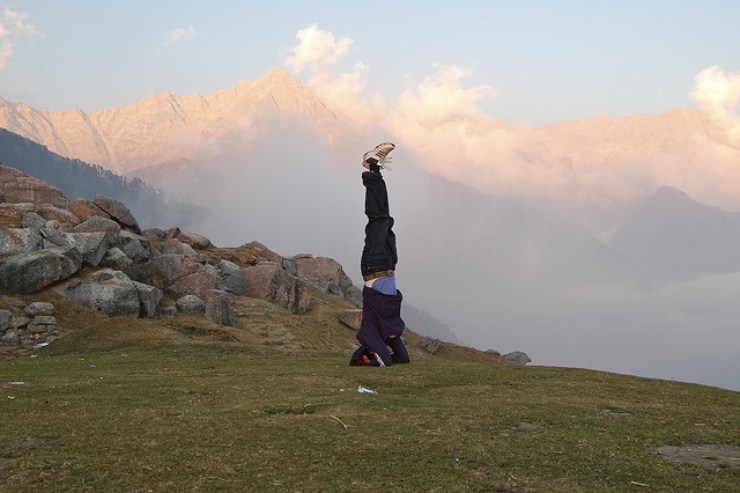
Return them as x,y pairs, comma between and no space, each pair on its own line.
675,236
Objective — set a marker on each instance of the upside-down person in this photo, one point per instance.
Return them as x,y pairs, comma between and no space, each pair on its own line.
382,326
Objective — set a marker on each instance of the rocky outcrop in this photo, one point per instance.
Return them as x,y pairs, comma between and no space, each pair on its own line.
327,275
269,281
133,273
18,187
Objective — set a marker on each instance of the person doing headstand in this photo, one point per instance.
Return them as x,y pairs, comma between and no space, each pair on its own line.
381,327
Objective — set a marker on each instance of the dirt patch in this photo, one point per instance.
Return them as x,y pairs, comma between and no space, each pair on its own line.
707,456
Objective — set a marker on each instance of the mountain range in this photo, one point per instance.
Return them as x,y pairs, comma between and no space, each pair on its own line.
502,271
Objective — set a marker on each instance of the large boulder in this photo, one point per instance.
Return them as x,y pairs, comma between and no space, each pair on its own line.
179,275
17,187
198,283
218,307
92,246
352,318
28,273
96,224
164,270
149,299
65,218
116,259
107,290
85,209
199,242
517,358
191,303
173,246
118,211
270,282
327,275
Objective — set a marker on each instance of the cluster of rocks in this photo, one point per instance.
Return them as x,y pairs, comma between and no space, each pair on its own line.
25,327
95,253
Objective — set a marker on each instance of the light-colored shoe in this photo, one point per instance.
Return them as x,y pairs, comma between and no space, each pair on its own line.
379,359
379,156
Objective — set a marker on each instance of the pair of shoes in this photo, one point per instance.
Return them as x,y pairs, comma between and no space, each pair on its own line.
378,157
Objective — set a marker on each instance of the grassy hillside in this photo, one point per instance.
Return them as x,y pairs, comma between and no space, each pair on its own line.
125,404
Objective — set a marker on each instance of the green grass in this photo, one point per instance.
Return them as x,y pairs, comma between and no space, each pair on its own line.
212,415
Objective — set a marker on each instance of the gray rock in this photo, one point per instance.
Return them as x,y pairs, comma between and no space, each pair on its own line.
66,219
165,270
92,246
40,308
155,233
116,259
28,273
135,251
218,307
268,281
168,311
351,318
190,303
430,344
228,268
235,284
19,322
85,209
198,283
19,187
42,323
107,290
99,224
118,211
517,358
32,220
5,320
492,352
9,241
149,299
324,273
199,242
9,337
176,247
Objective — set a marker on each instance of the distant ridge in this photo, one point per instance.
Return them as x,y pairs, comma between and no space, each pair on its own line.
163,127
671,235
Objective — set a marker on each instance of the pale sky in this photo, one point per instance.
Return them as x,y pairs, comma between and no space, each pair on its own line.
537,62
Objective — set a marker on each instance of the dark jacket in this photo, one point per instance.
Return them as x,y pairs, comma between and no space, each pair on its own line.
381,327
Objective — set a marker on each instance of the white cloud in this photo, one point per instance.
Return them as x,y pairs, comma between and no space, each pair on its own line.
317,50
179,34
719,93
13,25
439,121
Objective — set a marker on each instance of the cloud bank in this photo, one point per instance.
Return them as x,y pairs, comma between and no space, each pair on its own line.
13,27
439,121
